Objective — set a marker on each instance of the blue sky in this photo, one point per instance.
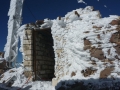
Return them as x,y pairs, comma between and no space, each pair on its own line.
51,9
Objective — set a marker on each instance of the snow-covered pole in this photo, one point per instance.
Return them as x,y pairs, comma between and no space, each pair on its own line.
11,47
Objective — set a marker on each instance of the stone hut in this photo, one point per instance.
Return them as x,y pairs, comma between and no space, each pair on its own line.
73,47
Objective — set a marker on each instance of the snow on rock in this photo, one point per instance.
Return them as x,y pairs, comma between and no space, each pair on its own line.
15,76
18,80
41,85
83,47
86,46
47,24
61,22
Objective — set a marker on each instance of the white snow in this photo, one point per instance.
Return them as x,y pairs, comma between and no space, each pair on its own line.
75,57
70,32
21,34
47,24
20,81
14,22
61,22
81,1
2,59
105,6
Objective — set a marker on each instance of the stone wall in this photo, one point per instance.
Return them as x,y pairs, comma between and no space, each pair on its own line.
28,52
44,55
39,54
86,49
85,46
60,55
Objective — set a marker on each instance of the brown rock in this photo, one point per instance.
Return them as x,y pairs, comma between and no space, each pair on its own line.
73,74
3,64
117,49
115,38
59,17
115,22
103,32
118,43
118,28
108,52
86,42
97,53
106,72
108,61
76,13
97,28
93,62
87,47
86,32
88,72
1,71
98,36
111,62
11,71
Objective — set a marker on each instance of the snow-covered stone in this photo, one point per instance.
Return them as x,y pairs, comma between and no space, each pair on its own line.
85,42
85,46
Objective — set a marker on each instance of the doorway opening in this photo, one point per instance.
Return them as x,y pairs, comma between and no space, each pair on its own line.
43,54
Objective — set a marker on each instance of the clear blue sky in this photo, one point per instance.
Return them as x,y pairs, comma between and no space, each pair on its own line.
51,9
